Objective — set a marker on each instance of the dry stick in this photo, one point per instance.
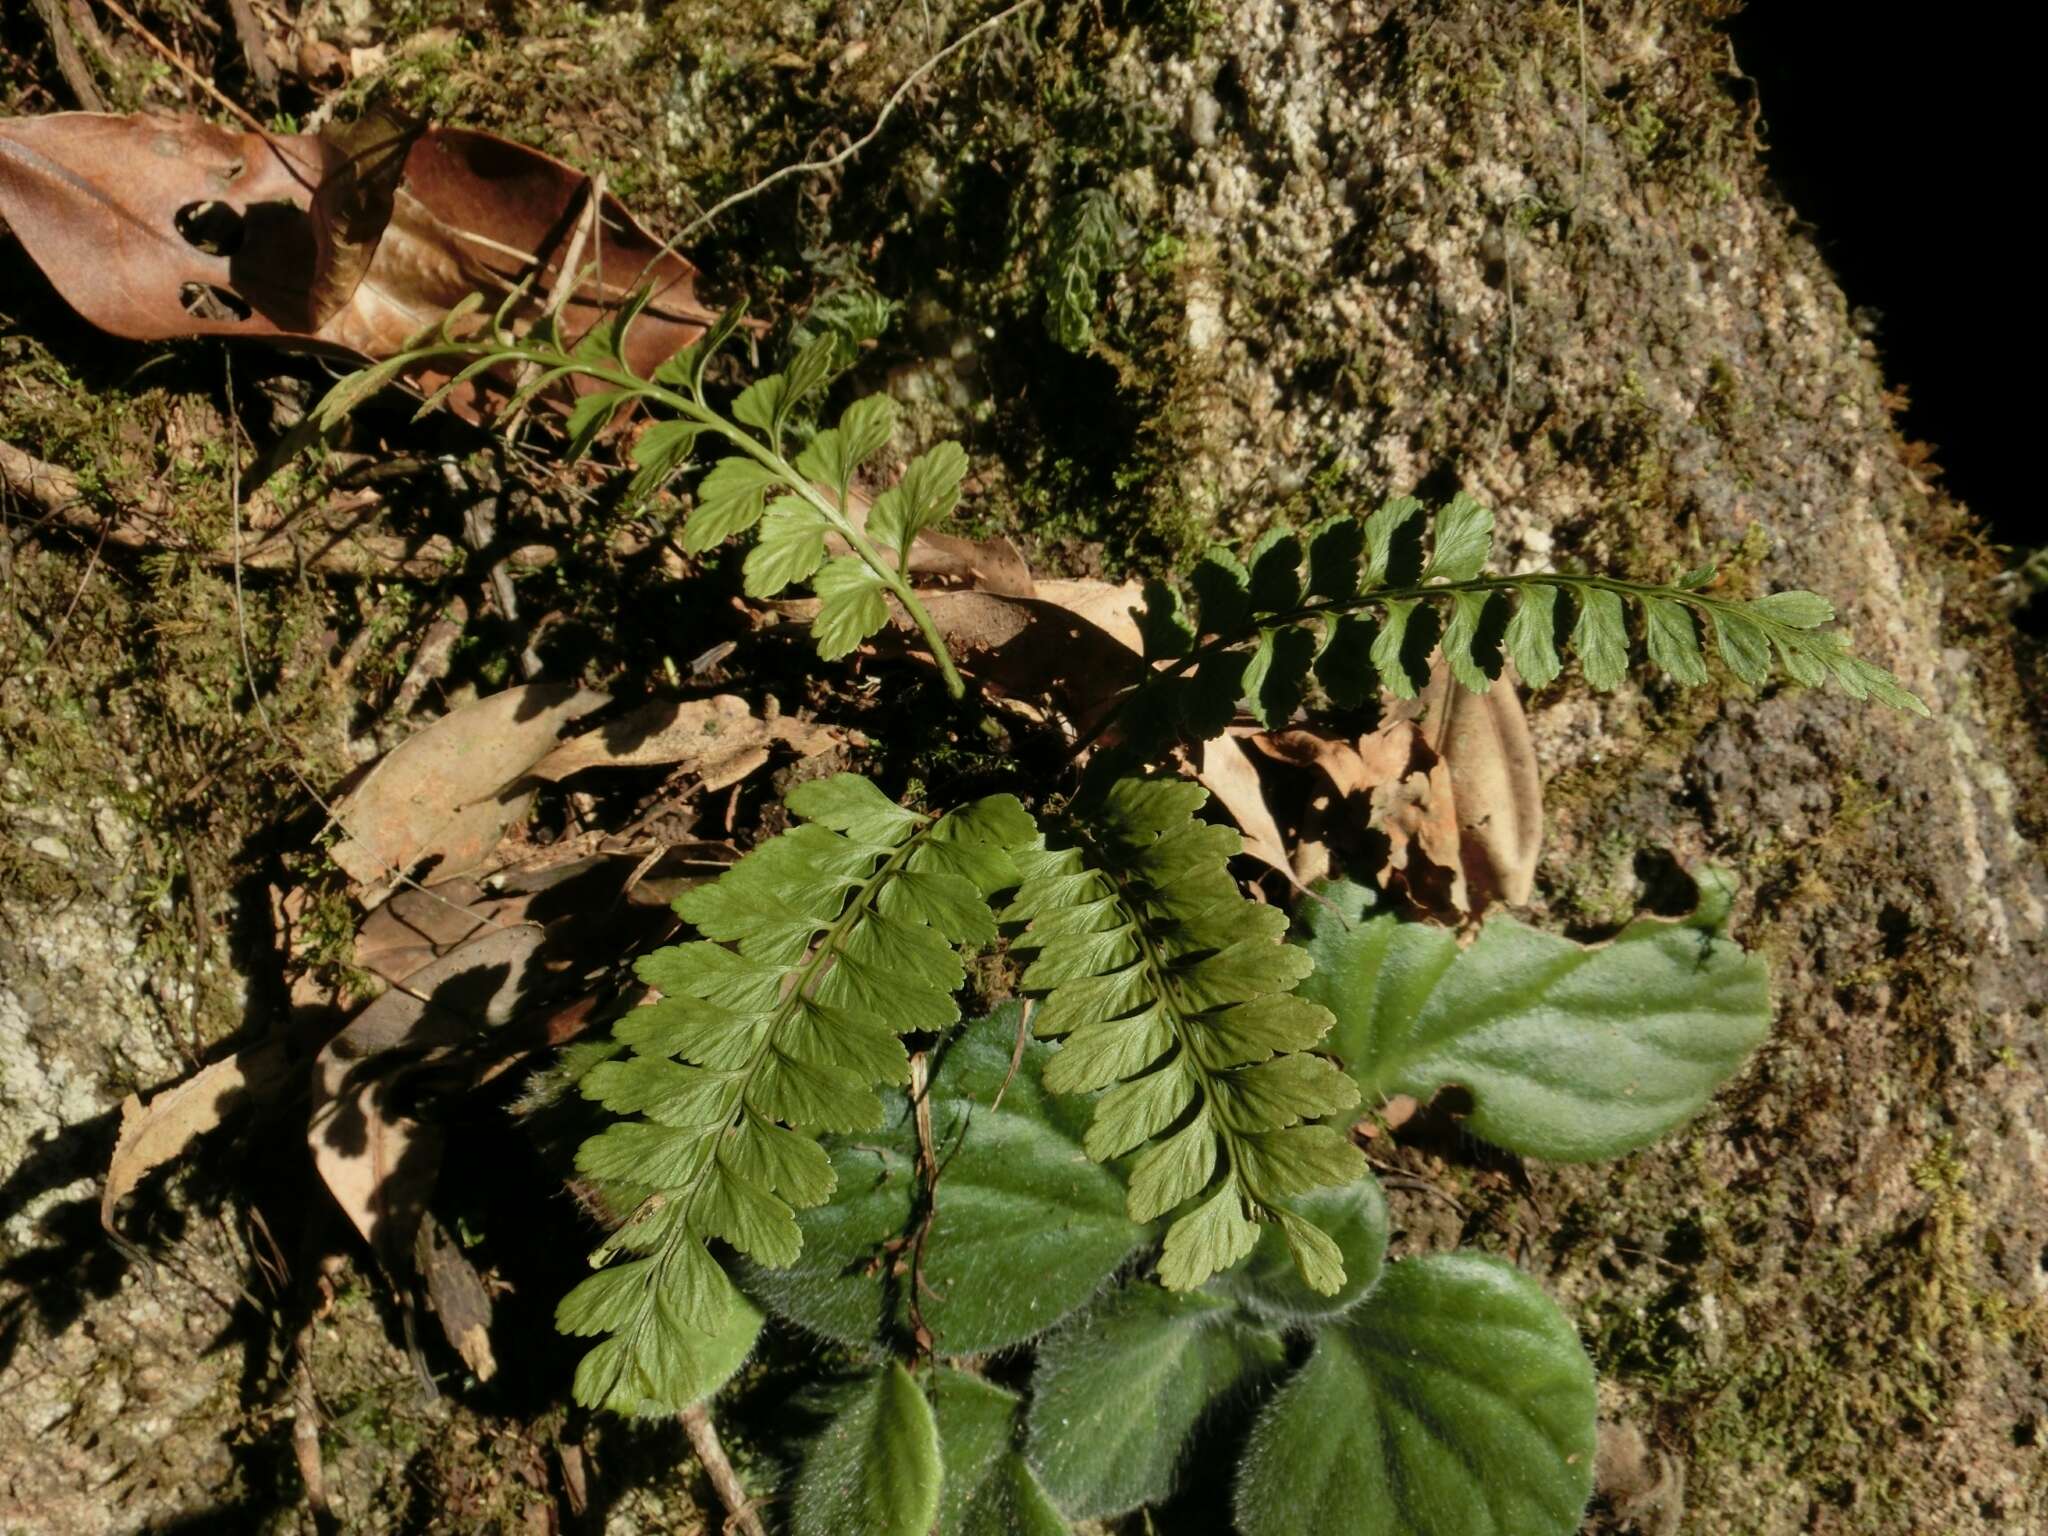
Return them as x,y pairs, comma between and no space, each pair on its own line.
740,1512
255,46
70,62
830,162
177,62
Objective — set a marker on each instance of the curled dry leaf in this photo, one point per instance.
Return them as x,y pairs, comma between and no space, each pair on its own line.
1483,741
155,1133
1448,781
347,242
447,794
377,1160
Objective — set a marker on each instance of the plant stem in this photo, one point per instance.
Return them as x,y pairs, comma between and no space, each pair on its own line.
835,515
710,1451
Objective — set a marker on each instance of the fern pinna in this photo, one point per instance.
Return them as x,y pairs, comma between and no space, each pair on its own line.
1172,991
819,949
1358,605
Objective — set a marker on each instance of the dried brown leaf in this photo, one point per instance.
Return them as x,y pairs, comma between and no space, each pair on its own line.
719,739
447,793
156,227
160,1131
1483,740
377,1161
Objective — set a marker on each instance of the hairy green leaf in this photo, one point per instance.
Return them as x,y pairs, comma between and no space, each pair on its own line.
1119,1389
989,1490
875,1468
1570,1053
1024,1228
1455,1401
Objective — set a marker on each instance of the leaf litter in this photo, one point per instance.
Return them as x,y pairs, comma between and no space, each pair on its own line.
346,242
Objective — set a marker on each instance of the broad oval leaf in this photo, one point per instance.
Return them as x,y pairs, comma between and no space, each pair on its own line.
1119,1389
1269,1283
989,1490
875,1469
1456,1401
1570,1053
1026,1228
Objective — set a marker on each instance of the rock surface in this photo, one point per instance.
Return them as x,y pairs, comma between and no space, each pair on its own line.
1368,246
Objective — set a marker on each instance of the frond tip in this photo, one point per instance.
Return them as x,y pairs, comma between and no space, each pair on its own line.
1360,605
818,950
1172,991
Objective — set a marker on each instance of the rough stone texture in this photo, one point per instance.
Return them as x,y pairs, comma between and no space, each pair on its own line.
1383,245
1826,1304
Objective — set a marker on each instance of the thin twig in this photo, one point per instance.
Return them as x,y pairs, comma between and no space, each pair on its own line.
91,565
741,1514
177,62
830,162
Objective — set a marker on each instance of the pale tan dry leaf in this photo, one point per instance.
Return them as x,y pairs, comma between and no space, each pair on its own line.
446,794
1105,605
377,1161
1483,740
1224,769
988,565
720,739
155,1133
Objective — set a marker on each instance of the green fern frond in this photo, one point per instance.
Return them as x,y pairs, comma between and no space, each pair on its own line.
819,949
1171,990
794,504
1361,605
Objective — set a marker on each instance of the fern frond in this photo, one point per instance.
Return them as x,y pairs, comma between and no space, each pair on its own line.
818,950
793,505
1172,991
1361,605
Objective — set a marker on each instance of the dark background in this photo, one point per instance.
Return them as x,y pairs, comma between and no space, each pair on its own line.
1908,137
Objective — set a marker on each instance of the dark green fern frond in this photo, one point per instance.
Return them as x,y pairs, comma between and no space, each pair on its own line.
1359,606
1165,982
795,500
819,949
